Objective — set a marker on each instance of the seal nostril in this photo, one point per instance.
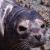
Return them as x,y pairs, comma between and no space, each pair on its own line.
22,28
38,37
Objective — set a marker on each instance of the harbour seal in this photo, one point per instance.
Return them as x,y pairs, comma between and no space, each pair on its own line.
23,29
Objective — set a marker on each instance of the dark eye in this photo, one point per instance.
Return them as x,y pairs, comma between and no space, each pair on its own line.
43,25
22,28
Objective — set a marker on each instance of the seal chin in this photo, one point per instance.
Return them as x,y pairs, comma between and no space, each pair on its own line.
36,44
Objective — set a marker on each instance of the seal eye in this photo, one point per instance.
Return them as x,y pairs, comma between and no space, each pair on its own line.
43,25
22,28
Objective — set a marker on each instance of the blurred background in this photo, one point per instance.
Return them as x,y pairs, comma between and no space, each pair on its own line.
41,6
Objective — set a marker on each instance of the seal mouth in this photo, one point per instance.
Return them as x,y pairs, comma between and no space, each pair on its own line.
38,44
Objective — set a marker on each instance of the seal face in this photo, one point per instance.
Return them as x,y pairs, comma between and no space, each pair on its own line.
24,29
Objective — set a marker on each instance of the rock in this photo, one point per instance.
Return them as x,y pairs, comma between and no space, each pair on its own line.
46,2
